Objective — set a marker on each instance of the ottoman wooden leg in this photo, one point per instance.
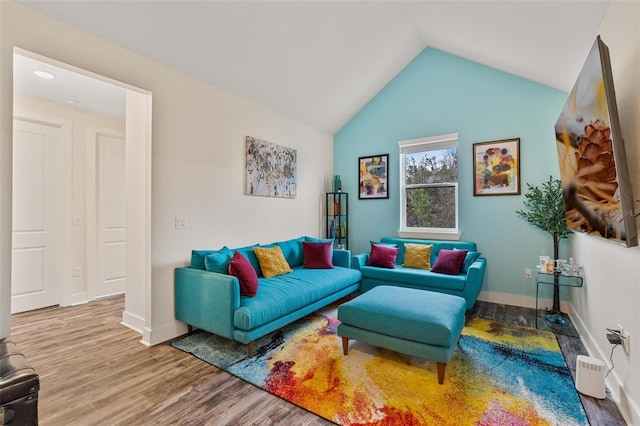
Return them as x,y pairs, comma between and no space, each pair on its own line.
441,366
345,345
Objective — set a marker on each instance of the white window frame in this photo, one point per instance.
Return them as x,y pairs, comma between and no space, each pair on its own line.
420,145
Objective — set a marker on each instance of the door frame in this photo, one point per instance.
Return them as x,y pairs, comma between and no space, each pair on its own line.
65,198
139,306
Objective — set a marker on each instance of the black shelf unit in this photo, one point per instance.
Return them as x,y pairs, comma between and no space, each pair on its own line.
337,213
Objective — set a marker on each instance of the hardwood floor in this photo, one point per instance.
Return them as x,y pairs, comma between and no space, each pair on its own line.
94,371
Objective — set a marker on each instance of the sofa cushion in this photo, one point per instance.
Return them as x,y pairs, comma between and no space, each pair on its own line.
292,251
416,278
318,240
318,255
383,244
240,268
382,256
197,258
284,294
417,256
272,261
449,261
218,261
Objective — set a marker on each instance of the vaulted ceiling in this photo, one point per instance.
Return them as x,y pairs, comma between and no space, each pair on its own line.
320,62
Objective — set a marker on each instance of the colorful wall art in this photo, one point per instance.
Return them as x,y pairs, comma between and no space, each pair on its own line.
373,176
271,169
496,167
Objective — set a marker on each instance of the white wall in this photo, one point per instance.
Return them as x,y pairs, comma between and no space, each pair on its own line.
611,293
198,134
6,153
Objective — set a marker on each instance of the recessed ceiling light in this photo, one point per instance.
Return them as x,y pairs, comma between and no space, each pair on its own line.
73,101
44,74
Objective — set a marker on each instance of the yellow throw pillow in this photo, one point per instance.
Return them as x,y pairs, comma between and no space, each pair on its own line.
417,256
272,261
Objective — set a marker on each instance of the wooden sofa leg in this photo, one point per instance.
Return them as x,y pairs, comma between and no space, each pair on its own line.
345,345
189,329
441,367
250,348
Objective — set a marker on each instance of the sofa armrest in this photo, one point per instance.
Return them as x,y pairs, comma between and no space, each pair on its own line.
360,260
206,300
475,277
342,258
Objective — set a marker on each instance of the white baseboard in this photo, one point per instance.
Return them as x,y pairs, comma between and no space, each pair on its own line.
628,407
132,321
162,334
519,300
79,298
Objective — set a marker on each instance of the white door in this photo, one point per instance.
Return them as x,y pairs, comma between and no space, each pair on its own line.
111,213
35,259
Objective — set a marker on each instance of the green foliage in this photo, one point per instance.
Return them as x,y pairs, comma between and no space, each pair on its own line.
544,208
418,209
431,206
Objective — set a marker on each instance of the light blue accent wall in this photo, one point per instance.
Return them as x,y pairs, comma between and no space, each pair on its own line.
439,93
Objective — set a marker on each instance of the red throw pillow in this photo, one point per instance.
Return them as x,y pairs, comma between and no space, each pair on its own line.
383,256
318,255
240,268
449,261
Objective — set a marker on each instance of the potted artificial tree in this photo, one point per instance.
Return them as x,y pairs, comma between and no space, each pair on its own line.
544,209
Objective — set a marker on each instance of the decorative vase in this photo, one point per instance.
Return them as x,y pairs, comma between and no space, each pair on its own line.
337,184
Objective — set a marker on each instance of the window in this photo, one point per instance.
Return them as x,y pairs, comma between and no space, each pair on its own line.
429,185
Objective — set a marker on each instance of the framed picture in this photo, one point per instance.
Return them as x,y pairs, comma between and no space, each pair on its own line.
594,169
271,169
373,177
496,167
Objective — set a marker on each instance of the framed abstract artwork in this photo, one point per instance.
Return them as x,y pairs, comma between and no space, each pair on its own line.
271,169
496,167
373,177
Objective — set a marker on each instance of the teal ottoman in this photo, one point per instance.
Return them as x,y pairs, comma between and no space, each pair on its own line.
420,323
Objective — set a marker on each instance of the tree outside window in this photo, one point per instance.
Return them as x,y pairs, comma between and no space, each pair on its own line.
429,183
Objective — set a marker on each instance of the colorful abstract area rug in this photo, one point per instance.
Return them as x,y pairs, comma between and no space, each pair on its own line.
499,375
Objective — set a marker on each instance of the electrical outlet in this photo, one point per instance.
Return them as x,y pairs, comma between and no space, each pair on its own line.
527,273
77,272
626,339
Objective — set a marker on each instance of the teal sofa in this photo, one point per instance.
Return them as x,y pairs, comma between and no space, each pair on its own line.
466,285
210,300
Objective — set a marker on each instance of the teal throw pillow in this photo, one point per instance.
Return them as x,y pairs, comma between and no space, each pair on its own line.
468,260
218,261
197,257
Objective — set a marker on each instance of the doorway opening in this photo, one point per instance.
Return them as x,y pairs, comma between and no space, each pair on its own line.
81,189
